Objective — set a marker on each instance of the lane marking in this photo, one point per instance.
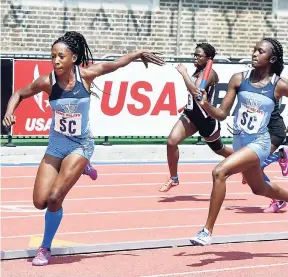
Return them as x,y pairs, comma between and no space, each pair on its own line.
133,211
216,270
147,228
132,173
134,197
140,184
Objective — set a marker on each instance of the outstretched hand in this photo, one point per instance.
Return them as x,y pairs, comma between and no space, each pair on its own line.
152,57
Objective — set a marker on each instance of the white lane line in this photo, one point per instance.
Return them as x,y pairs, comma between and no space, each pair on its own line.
132,211
147,228
217,270
131,173
131,197
139,184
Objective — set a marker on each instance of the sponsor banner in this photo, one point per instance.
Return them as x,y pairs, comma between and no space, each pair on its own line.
136,101
33,115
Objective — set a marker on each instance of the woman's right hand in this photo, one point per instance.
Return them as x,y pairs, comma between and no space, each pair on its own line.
8,120
149,56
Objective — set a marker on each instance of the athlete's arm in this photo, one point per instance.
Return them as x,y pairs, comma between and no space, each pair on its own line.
223,111
40,84
281,88
191,86
95,70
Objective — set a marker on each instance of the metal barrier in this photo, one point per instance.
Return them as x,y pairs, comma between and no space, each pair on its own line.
106,140
47,56
217,58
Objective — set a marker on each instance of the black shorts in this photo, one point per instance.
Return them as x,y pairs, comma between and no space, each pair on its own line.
277,131
206,126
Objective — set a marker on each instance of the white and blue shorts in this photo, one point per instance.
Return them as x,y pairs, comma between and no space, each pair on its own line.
60,146
259,143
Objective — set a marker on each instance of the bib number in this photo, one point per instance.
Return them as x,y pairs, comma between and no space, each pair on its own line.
249,121
68,124
189,105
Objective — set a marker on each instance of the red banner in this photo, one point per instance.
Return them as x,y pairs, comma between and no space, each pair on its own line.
33,115
146,98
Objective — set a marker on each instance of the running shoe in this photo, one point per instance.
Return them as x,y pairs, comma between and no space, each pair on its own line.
42,258
90,171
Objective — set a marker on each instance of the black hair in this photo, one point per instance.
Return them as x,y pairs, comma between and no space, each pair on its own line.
78,45
208,49
277,50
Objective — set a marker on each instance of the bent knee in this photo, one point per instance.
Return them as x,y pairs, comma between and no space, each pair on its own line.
40,205
172,142
54,198
219,173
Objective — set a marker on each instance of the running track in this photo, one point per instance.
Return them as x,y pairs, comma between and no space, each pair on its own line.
123,209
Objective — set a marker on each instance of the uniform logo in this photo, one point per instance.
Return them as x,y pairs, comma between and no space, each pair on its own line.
253,104
69,108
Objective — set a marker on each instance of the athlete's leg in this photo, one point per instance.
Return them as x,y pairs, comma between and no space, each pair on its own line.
276,142
215,143
45,178
46,175
210,130
244,160
181,130
71,169
239,161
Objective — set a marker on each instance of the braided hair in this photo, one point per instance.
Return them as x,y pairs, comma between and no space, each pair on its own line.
208,49
78,46
277,51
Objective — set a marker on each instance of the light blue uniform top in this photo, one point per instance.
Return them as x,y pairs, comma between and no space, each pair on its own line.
252,115
70,129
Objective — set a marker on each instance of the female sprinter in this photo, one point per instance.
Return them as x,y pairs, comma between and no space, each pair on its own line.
257,92
71,142
194,117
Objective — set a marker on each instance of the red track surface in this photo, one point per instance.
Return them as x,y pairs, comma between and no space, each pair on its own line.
124,205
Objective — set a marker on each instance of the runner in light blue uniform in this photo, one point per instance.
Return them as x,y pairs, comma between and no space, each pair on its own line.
67,101
257,92
70,141
70,128
252,115
275,127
